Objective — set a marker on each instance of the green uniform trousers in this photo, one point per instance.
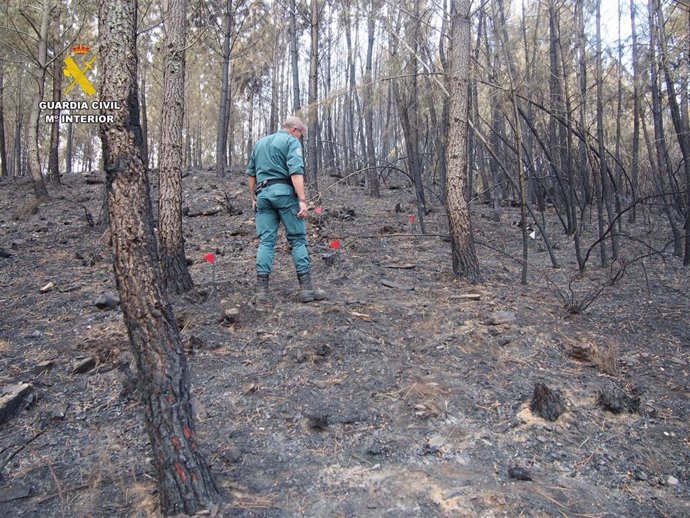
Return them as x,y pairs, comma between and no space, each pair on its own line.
274,204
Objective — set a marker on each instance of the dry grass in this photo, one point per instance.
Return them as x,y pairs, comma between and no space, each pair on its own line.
607,360
30,208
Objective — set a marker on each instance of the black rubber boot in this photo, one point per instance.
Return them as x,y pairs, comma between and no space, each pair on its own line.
262,288
307,292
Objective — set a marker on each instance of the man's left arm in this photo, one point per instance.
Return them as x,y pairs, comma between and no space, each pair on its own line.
251,173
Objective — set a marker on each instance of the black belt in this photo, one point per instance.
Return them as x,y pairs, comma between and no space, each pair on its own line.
260,186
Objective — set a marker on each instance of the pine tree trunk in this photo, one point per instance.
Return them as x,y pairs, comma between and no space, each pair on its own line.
635,165
313,140
174,265
4,171
465,263
602,179
372,173
144,117
40,75
294,58
224,108
68,151
185,483
680,123
54,157
660,145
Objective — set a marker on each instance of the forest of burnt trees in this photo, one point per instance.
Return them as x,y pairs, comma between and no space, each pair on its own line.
586,103
579,107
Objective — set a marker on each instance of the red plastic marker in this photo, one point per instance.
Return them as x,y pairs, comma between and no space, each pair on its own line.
318,211
209,258
335,245
412,220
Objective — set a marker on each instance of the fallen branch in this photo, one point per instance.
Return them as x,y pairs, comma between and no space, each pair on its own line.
13,454
209,212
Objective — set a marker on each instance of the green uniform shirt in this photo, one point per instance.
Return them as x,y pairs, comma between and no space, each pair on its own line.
276,156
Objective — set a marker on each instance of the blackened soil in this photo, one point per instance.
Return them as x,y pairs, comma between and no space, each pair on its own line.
405,394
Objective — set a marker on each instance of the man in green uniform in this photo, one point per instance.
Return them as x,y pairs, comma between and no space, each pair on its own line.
276,185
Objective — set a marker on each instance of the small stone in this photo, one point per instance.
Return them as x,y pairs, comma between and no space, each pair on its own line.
195,343
43,367
13,398
500,317
231,315
435,443
639,474
519,473
317,422
249,388
375,448
107,301
48,287
672,481
59,414
580,351
300,356
84,365
630,361
232,455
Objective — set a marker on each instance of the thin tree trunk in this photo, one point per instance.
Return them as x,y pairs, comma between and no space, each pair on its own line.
17,146
372,173
662,157
680,124
635,166
40,75
185,483
294,58
173,263
273,118
505,44
465,263
407,103
583,162
54,156
602,181
443,130
311,172
68,152
224,108
144,116
4,171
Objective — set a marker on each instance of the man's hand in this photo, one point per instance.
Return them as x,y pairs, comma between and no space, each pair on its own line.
254,206
303,210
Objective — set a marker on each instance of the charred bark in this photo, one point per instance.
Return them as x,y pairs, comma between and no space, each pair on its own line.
185,482
175,272
465,263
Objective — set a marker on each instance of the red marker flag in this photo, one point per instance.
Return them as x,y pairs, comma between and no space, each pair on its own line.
412,220
318,211
209,258
335,245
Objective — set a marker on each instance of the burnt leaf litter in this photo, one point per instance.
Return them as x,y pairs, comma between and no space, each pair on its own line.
408,393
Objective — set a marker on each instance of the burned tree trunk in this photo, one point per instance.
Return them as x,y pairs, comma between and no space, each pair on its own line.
54,156
4,169
40,75
465,263
224,107
311,173
185,483
175,272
